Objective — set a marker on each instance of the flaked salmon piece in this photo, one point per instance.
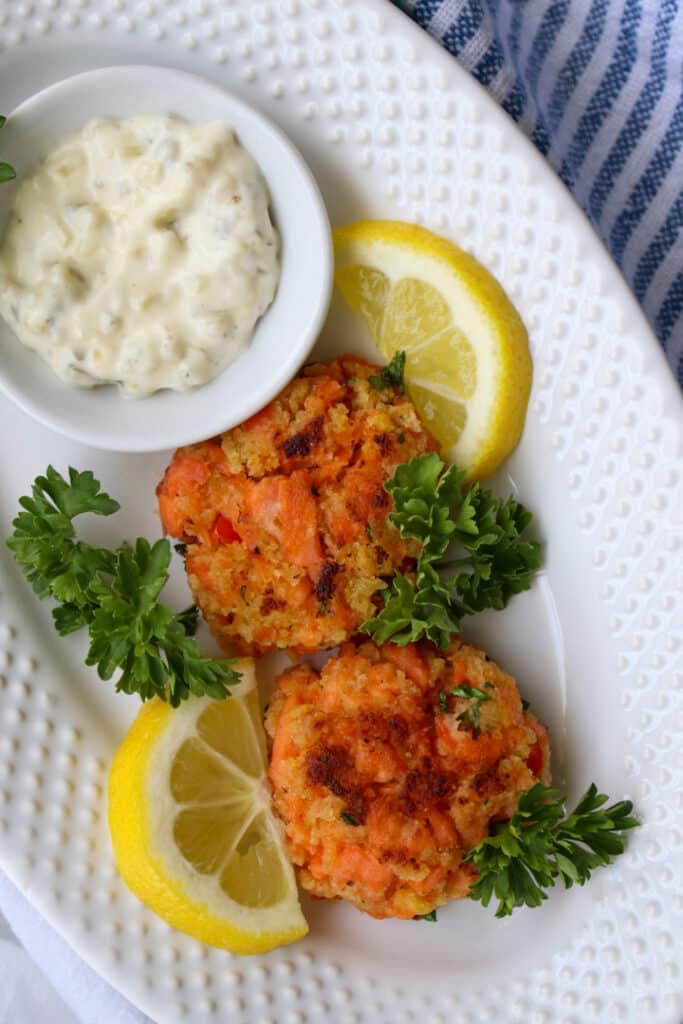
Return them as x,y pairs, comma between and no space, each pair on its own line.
187,473
409,661
285,508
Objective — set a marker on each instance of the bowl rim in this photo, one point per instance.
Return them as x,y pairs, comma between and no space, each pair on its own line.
266,385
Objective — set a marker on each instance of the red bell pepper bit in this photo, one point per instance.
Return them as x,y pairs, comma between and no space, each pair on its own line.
225,531
534,761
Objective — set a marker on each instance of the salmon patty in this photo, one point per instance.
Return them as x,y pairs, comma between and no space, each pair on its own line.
384,779
285,518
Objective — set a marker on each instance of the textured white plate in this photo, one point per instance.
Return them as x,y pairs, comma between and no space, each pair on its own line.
392,127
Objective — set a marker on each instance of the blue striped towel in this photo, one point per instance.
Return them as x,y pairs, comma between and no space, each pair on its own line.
597,86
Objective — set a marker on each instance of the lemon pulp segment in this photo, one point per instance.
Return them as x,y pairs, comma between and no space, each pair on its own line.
468,367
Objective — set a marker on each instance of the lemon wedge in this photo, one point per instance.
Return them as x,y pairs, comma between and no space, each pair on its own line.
193,833
468,367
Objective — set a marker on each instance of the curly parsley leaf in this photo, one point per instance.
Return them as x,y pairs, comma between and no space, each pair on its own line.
411,613
114,593
43,540
432,506
424,492
7,172
501,564
539,845
391,376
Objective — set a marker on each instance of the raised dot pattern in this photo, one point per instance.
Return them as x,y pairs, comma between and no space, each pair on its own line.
355,87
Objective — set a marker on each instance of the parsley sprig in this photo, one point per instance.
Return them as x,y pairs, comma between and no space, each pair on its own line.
539,845
113,593
7,172
431,505
391,376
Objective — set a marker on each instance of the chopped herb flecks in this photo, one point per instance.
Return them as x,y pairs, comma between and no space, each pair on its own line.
470,718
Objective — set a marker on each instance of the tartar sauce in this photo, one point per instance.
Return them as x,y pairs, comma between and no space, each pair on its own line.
140,251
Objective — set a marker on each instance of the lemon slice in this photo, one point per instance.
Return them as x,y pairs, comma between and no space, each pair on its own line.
191,825
468,367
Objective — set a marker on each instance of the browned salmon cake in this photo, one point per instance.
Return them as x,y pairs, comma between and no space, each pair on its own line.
285,518
383,779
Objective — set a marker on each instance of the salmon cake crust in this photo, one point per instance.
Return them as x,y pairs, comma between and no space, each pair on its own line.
285,518
384,781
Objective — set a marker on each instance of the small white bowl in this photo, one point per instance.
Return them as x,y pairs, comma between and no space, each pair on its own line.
284,336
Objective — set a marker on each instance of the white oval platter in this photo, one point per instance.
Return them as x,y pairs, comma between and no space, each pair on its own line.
391,127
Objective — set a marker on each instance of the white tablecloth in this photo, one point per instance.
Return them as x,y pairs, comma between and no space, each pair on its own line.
42,981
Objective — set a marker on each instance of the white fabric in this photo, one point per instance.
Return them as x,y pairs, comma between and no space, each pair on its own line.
67,991
25,996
